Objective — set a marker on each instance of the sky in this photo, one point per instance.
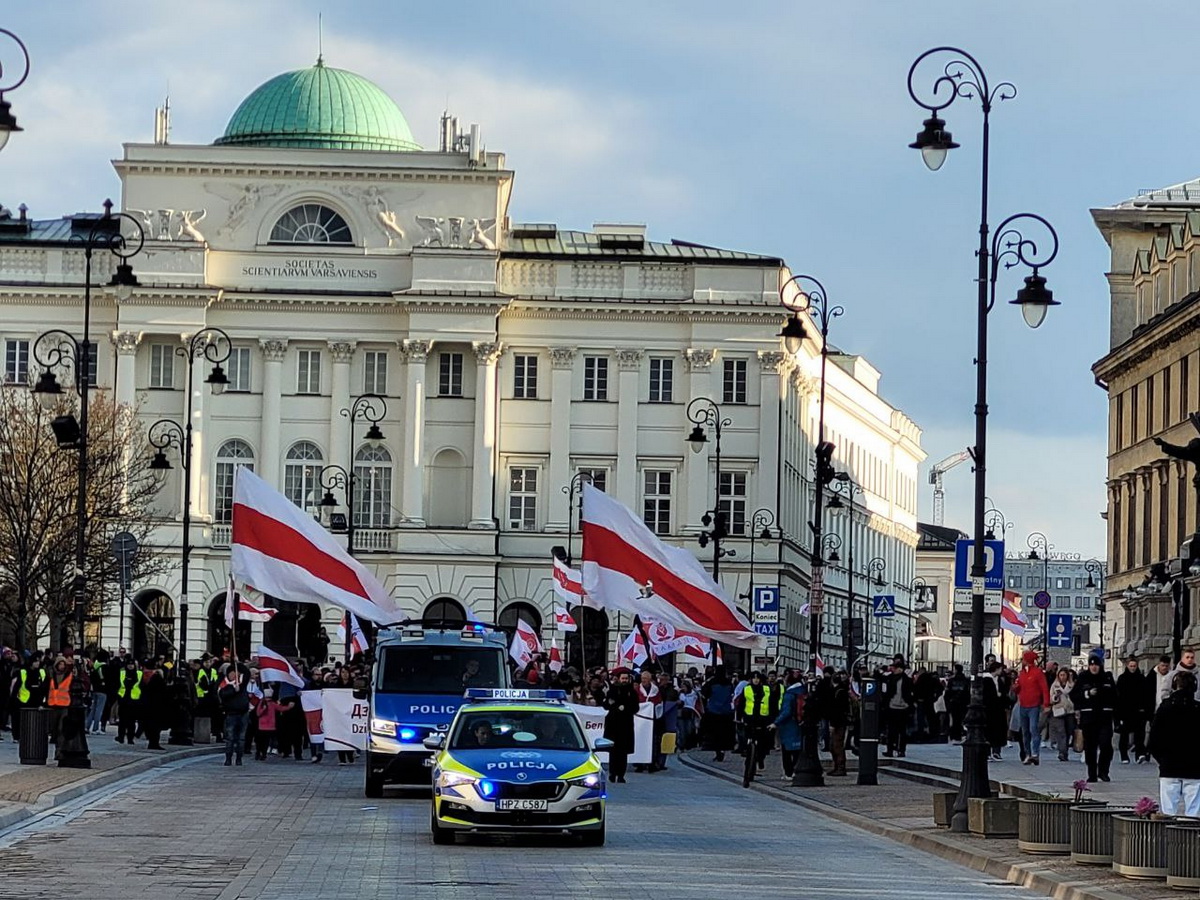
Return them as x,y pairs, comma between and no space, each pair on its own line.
778,128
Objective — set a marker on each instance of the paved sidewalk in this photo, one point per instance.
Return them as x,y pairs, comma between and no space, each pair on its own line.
903,811
1129,782
24,789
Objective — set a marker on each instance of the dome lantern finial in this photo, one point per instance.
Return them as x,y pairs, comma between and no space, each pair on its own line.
320,40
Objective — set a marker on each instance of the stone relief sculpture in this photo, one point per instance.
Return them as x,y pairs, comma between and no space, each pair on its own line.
433,233
383,215
449,231
479,234
170,224
188,220
242,200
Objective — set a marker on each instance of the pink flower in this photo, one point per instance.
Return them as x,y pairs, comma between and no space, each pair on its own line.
1145,808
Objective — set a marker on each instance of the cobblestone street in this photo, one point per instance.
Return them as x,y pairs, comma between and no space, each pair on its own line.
284,830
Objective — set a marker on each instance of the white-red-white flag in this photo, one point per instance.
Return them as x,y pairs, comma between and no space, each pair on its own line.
273,667
626,567
230,597
358,640
563,620
525,643
568,584
706,653
633,649
251,613
555,663
1011,618
666,638
283,551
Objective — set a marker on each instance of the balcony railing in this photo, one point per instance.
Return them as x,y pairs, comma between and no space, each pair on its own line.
366,540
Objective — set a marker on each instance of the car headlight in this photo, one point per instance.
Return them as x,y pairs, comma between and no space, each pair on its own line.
383,727
453,779
595,780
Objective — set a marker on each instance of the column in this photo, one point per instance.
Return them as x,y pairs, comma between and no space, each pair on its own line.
412,502
697,493
629,364
483,486
273,351
770,399
126,343
340,450
562,360
201,501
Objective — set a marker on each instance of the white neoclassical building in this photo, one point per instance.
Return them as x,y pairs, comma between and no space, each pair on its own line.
343,260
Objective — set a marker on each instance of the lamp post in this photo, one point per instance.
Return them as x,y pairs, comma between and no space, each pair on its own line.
702,412
917,588
1039,544
963,77
1097,573
214,345
573,489
760,529
993,521
53,348
372,408
810,297
876,566
844,484
8,122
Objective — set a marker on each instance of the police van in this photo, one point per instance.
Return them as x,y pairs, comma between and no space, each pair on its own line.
422,668
517,760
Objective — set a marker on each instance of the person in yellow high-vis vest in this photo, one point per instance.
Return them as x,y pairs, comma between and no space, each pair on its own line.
129,696
29,690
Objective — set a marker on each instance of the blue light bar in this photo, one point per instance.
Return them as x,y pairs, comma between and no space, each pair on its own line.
408,734
514,694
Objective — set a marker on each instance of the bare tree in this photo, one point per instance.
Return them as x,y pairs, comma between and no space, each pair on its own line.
38,483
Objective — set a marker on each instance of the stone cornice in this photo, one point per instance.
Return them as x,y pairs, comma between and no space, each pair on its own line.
1146,346
631,309
374,174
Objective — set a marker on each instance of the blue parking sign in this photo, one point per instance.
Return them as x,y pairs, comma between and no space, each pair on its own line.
993,559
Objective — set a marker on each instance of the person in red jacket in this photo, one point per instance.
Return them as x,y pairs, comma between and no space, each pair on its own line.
1033,697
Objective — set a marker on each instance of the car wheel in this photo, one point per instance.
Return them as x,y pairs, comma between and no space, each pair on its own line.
592,838
373,786
440,835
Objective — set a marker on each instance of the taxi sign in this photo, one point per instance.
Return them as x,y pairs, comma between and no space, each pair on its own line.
514,694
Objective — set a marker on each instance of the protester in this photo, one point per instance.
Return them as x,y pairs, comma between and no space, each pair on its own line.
690,710
235,704
264,715
1062,713
897,700
1032,696
838,715
1159,682
1187,663
787,724
1173,743
958,697
759,706
1094,696
129,695
995,709
58,699
1132,711
716,724
622,705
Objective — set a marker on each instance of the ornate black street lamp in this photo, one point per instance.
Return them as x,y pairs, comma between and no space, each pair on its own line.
810,297
574,489
372,408
1097,575
760,529
214,345
8,122
995,521
702,412
844,484
57,347
963,77
1039,548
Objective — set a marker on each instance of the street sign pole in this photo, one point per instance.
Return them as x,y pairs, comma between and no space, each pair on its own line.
124,549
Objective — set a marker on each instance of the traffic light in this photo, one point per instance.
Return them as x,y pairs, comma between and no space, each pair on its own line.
825,472
1077,643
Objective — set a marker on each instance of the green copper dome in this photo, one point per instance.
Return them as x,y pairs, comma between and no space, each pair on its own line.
319,108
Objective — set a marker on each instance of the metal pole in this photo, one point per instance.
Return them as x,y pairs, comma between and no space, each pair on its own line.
82,373
850,647
350,479
718,530
186,461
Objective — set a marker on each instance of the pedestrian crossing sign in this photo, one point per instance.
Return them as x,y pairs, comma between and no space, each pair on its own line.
885,605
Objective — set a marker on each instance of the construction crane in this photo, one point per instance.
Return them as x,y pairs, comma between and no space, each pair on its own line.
936,474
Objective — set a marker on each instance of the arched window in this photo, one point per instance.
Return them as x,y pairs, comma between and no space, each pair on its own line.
519,611
302,476
443,609
153,625
372,487
232,454
587,646
311,223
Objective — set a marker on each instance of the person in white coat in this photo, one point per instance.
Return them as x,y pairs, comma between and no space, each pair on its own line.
1160,679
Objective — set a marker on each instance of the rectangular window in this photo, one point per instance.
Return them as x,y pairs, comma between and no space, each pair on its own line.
16,362
595,378
656,500
599,478
162,366
525,372
1181,518
1130,530
1135,425
732,491
1062,602
1166,398
308,372
450,374
238,370
735,381
372,493
1120,416
1150,412
1185,388
375,365
662,379
522,499
223,514
1164,502
1146,518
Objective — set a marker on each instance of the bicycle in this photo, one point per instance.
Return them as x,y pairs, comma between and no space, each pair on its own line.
751,749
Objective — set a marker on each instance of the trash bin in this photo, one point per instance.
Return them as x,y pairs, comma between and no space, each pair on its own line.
35,736
202,730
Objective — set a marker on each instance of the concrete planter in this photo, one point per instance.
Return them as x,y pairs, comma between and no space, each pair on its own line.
943,807
993,816
1044,825
1140,846
1183,854
1092,833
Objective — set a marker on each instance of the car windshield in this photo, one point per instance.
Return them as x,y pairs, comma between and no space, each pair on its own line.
504,729
424,669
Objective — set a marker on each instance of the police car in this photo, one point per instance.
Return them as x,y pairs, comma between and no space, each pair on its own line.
516,760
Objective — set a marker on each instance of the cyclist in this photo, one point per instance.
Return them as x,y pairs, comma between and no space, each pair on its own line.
759,707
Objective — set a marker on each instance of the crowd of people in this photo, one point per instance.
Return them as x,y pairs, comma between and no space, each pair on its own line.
143,699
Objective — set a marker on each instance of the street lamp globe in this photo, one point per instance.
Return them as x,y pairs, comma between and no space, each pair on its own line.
47,390
697,439
217,380
374,436
1035,300
124,281
934,142
159,462
793,334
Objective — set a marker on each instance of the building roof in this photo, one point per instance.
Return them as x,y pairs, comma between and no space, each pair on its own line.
938,537
319,108
45,231
1186,193
526,241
